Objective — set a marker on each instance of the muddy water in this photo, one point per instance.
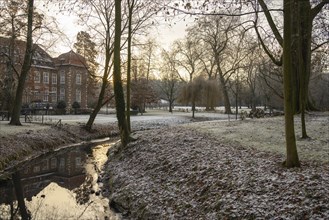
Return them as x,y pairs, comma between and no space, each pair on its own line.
61,185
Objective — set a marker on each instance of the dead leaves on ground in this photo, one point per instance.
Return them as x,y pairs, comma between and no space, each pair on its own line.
182,174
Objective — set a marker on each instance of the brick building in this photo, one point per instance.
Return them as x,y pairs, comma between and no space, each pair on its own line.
50,79
73,75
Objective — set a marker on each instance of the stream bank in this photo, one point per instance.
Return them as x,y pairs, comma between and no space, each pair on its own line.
18,147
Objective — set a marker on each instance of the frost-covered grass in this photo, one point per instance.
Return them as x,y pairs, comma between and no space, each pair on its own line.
6,129
267,134
186,173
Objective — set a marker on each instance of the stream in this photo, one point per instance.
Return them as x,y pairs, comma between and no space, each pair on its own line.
65,184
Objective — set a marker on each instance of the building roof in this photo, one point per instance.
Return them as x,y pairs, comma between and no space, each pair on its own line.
40,58
71,58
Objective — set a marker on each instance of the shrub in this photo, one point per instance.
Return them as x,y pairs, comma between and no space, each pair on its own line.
75,106
61,106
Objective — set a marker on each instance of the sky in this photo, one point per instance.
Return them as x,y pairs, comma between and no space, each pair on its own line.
165,33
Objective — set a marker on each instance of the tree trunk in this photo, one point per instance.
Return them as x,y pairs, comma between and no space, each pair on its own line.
25,69
304,56
20,196
309,103
118,89
292,159
130,5
227,103
105,83
208,102
236,105
170,106
9,82
193,108
99,104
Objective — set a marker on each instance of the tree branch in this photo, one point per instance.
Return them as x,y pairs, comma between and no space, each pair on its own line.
319,46
270,21
318,8
220,14
276,62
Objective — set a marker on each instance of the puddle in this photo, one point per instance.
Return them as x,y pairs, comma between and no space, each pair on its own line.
60,185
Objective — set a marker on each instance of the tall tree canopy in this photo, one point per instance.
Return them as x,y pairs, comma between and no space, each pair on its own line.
87,48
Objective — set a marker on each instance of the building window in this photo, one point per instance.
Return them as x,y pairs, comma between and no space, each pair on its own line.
36,77
45,165
78,79
62,94
62,163
78,163
46,95
54,78
78,95
53,163
36,169
45,77
27,170
62,78
54,94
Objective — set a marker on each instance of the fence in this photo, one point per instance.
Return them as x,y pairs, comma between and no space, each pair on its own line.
43,119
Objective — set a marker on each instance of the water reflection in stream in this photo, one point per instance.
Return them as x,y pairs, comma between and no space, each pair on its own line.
60,185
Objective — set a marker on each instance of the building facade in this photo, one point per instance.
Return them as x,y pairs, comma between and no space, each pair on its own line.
72,78
50,79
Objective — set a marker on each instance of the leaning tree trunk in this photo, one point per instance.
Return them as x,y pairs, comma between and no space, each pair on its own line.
100,101
118,88
25,69
292,159
99,104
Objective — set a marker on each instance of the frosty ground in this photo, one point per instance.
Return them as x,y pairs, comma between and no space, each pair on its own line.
222,170
179,168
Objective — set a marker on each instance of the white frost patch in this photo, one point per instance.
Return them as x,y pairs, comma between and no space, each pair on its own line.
60,203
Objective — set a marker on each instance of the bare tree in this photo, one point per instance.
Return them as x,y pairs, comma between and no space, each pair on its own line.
139,18
303,19
117,81
99,17
319,82
188,54
144,65
15,120
222,36
194,91
14,25
169,78
300,26
209,67
292,159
